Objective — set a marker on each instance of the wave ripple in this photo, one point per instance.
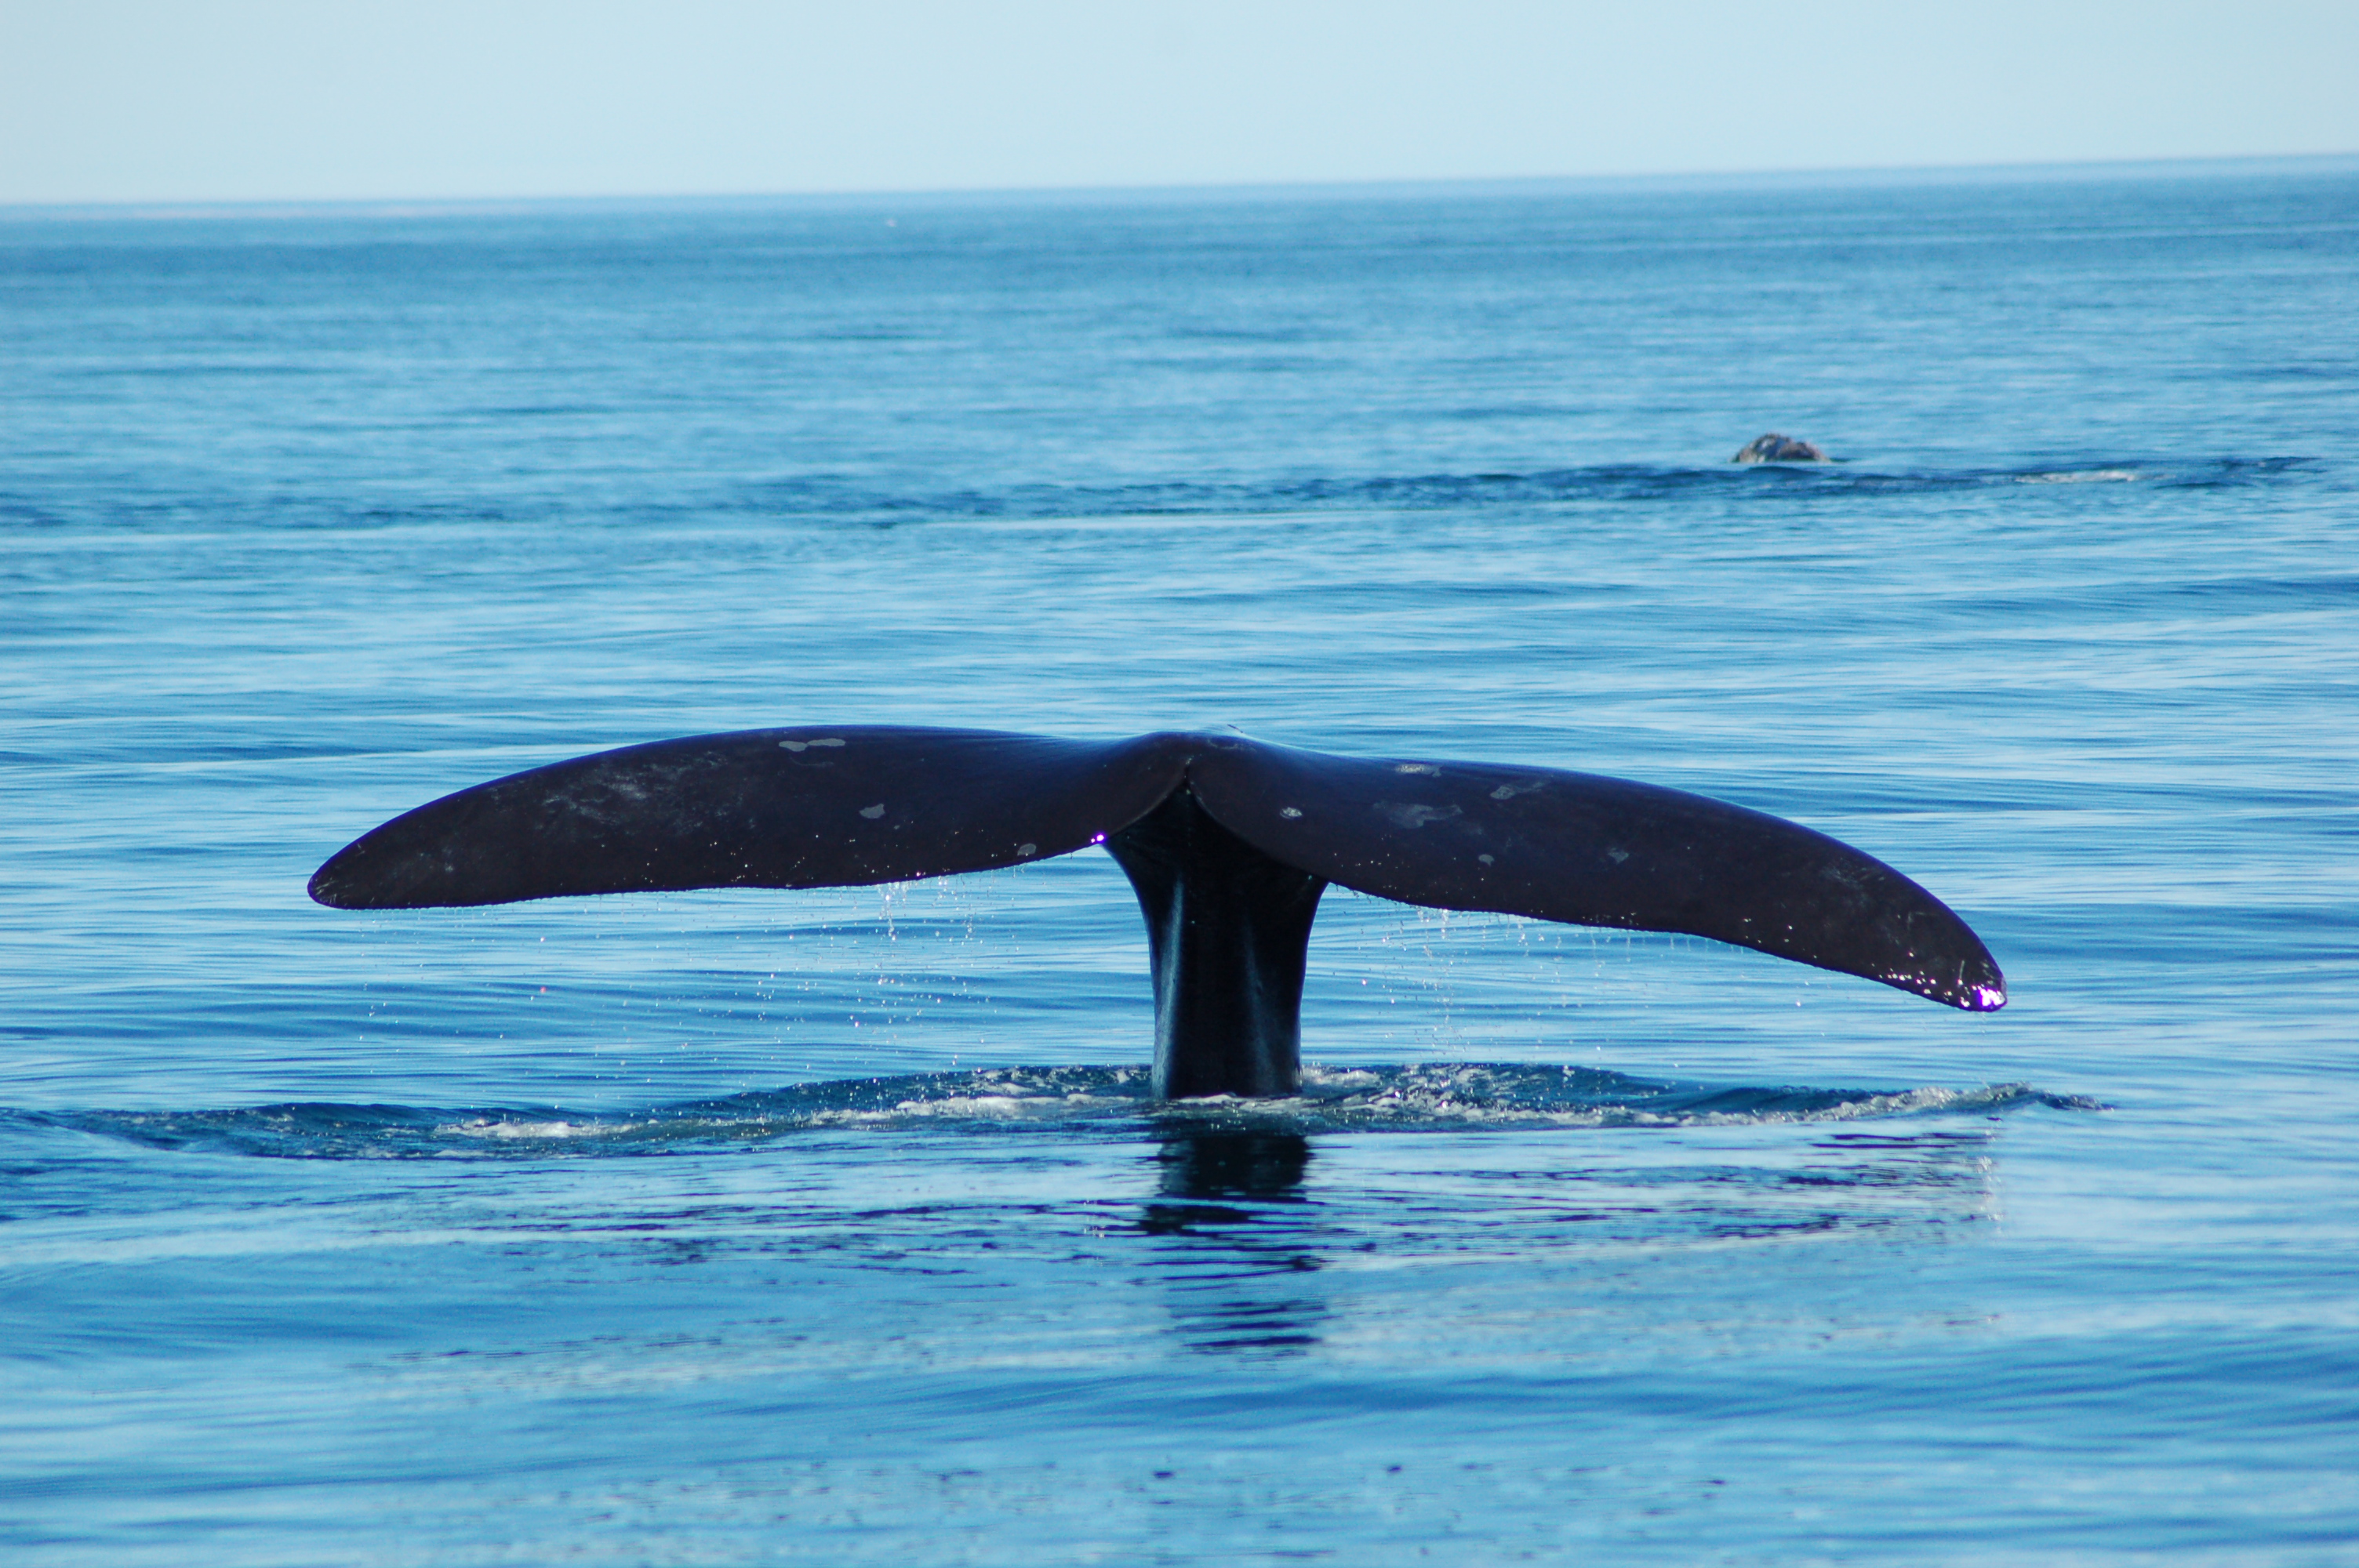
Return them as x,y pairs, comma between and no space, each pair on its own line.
1425,1098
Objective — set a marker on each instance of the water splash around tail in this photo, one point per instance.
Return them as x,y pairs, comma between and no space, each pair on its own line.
1425,1098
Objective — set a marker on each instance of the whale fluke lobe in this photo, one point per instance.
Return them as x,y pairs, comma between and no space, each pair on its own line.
776,809
1591,851
1228,842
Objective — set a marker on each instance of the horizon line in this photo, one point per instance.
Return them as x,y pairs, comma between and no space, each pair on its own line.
1371,187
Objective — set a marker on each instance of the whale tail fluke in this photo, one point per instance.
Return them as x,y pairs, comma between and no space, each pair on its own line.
1227,841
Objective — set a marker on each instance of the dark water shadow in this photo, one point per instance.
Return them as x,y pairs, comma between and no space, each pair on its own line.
833,500
1236,1240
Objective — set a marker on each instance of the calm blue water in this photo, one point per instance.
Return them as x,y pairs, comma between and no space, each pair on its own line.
753,1227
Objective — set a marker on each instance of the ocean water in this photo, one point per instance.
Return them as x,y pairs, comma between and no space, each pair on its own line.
739,1228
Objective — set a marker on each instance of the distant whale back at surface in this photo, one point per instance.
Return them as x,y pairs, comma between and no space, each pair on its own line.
1228,843
1776,448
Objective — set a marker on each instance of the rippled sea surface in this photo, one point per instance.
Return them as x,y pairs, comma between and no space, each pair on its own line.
840,1227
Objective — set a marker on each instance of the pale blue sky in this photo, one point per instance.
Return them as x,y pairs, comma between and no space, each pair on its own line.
264,101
